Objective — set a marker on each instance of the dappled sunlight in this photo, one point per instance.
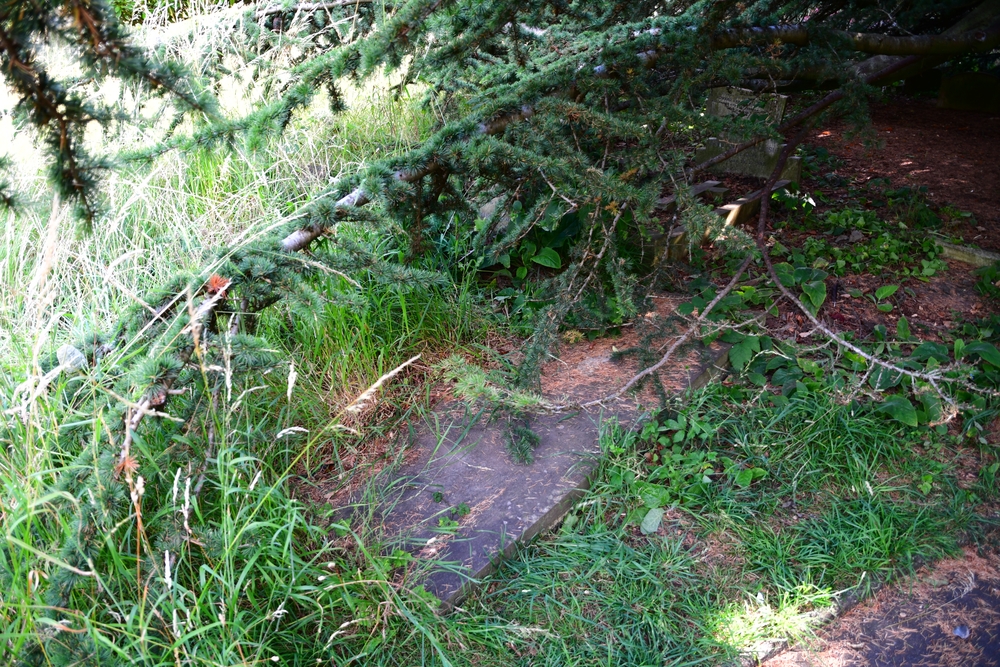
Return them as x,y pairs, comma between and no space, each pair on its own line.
753,624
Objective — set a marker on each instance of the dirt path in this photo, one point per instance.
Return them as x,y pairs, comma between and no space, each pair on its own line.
956,154
945,615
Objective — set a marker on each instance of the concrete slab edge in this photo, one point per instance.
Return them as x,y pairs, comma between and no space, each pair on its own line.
973,256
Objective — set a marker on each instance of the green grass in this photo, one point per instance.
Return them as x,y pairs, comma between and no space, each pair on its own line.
215,562
838,512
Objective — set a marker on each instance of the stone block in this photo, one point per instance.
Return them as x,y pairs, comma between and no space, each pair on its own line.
729,101
970,91
760,160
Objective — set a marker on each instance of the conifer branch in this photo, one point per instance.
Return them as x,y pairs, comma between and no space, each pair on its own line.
309,7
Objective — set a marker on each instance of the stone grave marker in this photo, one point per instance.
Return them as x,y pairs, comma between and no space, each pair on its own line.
459,503
759,160
970,91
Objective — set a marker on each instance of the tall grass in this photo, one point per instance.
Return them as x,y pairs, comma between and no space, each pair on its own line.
200,554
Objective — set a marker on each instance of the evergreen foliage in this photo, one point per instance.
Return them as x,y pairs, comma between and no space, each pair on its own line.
566,117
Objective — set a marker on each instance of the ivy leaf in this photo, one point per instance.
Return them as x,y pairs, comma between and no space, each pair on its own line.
651,522
548,257
900,409
903,329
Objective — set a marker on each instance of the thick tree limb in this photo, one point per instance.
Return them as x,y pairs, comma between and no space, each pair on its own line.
802,115
973,41
985,14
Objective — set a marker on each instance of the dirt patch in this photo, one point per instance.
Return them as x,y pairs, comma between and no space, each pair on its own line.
589,370
931,308
953,153
946,615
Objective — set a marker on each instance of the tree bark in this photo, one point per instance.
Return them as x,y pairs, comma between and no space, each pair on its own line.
973,41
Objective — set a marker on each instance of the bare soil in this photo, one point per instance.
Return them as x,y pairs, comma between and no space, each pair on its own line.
932,308
943,616
955,154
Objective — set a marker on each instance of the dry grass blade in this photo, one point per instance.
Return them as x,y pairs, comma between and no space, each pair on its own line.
363,400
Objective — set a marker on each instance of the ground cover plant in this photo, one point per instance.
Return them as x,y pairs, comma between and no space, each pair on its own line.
258,273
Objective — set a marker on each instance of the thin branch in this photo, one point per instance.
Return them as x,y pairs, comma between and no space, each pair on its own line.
695,326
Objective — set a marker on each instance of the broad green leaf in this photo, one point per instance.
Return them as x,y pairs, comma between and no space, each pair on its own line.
900,409
548,257
816,291
744,477
882,378
884,307
932,406
651,522
732,337
522,272
986,351
653,495
885,291
930,350
959,348
903,329
785,273
741,353
757,379
685,308
809,366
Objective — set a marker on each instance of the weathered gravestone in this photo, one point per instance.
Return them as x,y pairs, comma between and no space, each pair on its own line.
761,159
970,91
458,502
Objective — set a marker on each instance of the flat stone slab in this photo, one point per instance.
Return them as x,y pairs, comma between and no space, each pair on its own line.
973,256
460,502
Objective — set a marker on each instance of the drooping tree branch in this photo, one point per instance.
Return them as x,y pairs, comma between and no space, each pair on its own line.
307,7
300,239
